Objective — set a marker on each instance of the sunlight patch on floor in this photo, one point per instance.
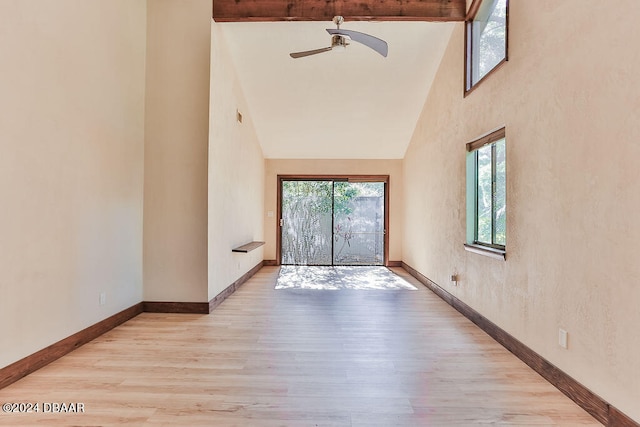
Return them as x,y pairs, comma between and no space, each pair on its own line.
340,277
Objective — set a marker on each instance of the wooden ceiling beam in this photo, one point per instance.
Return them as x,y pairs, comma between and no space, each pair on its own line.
325,10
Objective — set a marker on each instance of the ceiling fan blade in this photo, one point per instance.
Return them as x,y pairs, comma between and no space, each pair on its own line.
309,52
374,43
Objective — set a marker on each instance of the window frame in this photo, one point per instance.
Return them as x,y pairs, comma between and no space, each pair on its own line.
473,245
468,46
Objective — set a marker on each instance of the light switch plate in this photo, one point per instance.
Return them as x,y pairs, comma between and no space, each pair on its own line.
563,337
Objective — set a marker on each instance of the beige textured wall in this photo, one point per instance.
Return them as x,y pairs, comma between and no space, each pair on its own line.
569,99
176,140
393,168
71,166
236,175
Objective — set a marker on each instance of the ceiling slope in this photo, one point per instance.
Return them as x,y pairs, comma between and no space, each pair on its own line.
336,105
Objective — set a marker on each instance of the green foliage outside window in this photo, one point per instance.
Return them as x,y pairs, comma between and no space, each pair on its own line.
318,194
491,194
486,40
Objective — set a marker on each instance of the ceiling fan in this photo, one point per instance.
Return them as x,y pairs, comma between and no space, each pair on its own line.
339,41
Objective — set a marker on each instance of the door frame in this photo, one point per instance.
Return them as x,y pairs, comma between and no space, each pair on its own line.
348,178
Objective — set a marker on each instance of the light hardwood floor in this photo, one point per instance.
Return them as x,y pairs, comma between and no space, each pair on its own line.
269,357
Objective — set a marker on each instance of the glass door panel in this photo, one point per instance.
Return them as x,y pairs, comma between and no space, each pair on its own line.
358,223
307,208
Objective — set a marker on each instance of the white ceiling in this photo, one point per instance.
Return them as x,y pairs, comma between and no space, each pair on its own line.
354,104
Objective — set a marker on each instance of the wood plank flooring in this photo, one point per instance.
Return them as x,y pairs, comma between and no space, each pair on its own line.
268,357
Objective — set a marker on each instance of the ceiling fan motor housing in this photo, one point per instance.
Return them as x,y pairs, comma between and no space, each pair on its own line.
338,41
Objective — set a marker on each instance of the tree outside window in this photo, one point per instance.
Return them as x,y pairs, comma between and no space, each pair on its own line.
491,195
486,40
486,192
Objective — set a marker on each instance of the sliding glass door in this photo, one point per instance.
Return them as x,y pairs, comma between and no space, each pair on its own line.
332,222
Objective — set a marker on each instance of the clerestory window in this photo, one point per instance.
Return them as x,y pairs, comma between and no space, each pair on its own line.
486,40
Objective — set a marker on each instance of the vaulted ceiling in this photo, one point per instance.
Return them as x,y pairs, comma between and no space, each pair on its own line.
353,104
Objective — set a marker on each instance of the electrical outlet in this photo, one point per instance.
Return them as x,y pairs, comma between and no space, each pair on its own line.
103,298
563,337
454,279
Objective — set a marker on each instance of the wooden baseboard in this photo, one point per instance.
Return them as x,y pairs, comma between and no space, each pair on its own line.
618,419
35,361
176,307
39,359
394,263
199,307
233,287
597,407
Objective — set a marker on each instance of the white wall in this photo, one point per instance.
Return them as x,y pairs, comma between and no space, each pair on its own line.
236,174
176,145
71,166
569,99
104,127
393,168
